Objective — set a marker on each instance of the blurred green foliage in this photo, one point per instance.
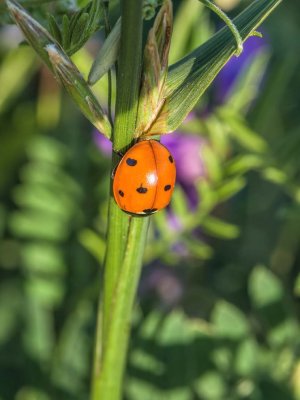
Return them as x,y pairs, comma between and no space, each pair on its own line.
218,310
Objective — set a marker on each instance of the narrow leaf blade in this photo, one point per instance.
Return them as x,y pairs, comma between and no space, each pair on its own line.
189,78
78,89
156,56
62,66
107,55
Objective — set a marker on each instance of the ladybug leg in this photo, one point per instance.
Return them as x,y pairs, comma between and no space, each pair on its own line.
113,172
118,153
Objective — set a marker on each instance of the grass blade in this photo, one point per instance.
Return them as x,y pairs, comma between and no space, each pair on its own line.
190,77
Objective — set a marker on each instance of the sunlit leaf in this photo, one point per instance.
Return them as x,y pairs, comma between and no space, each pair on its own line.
229,321
286,332
239,130
211,386
61,65
246,358
264,287
107,55
155,69
219,228
229,188
189,78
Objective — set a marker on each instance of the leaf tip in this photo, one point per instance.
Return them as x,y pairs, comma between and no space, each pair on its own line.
15,9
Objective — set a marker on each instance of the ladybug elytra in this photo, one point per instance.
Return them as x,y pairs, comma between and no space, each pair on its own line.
144,179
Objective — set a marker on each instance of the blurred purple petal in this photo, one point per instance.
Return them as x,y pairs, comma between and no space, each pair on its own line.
163,281
186,150
174,222
102,143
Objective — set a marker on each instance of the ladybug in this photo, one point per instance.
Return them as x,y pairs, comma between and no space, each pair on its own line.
144,179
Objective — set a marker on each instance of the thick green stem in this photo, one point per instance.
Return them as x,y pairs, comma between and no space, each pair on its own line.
128,84
126,235
109,386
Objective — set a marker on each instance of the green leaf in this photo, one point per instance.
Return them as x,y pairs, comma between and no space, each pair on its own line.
93,243
222,358
69,367
190,77
212,164
264,287
248,83
43,258
107,55
79,28
62,66
219,228
246,358
155,70
243,163
39,225
211,386
66,35
213,7
78,89
208,197
199,249
54,28
229,188
37,36
238,128
275,175
229,322
31,393
179,203
47,292
284,333
39,197
16,71
38,337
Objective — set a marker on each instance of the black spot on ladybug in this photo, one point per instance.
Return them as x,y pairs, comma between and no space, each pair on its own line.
167,187
142,190
131,162
171,159
121,193
150,210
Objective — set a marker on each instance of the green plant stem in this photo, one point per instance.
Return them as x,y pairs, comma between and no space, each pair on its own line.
105,6
109,386
128,85
126,235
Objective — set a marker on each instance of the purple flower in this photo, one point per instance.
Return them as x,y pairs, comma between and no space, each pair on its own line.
187,150
226,78
164,283
104,144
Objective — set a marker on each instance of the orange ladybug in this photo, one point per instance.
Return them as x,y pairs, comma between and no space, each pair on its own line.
144,179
